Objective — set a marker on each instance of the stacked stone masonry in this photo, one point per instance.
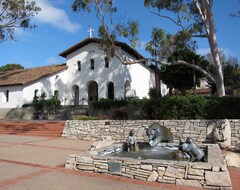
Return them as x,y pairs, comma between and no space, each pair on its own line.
212,174
118,130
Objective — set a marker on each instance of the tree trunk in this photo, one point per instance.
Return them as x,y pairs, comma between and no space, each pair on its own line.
212,39
157,82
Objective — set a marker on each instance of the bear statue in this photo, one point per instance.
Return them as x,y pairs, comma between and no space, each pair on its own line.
158,133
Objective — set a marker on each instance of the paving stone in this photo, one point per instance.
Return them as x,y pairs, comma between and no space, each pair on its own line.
217,179
192,183
174,172
86,159
204,166
153,176
195,172
146,167
195,177
69,166
232,159
161,171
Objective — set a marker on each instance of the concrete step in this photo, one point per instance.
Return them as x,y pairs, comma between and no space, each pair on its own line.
33,128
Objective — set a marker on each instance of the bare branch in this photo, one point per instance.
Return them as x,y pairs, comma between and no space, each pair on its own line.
107,32
181,62
200,36
167,17
123,59
180,22
3,11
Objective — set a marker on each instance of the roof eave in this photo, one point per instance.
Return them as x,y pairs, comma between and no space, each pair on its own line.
123,45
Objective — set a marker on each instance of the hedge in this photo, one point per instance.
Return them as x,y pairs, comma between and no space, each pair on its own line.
192,107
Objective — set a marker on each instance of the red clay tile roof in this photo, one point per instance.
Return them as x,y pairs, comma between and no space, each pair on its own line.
25,76
202,91
86,41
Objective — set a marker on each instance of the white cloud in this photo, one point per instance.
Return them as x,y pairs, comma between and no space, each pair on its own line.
55,16
53,60
204,51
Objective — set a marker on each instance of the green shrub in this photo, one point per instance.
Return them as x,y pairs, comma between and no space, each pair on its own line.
84,117
192,107
119,114
109,103
222,108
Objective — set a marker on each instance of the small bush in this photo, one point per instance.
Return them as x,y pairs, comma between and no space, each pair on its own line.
84,117
109,103
119,114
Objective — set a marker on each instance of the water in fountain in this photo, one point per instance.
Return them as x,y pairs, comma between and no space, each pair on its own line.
155,149
162,151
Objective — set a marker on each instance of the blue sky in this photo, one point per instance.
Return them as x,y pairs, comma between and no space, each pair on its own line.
59,28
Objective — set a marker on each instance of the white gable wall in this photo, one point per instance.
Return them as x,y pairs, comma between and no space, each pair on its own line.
138,75
46,85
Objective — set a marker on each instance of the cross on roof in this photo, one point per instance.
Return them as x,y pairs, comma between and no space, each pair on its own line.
91,32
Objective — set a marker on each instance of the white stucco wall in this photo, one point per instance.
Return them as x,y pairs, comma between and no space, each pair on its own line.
140,77
46,85
15,97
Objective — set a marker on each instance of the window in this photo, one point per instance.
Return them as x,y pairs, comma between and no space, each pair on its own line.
35,92
106,59
110,88
56,93
79,65
7,95
92,64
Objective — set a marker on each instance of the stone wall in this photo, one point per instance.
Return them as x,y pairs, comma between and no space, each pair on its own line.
212,174
118,130
24,113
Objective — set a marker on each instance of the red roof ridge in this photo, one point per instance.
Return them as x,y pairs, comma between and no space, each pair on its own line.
25,76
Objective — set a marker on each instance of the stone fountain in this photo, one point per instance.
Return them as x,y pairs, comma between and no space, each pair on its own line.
204,168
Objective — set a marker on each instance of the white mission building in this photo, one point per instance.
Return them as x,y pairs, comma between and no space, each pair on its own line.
87,76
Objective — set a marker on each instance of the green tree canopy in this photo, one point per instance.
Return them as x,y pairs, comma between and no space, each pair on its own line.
180,77
10,67
15,14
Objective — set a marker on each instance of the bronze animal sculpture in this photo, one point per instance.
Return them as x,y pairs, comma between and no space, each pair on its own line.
158,133
191,148
179,155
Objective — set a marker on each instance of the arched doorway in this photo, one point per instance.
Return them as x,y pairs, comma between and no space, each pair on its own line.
110,90
75,90
92,92
127,89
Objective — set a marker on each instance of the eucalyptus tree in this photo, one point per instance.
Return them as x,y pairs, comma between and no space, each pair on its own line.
231,70
15,14
194,18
